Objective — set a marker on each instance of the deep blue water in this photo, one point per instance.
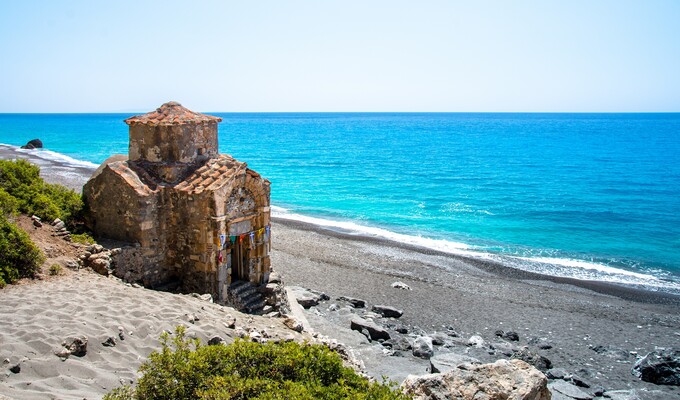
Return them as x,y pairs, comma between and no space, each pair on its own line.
566,194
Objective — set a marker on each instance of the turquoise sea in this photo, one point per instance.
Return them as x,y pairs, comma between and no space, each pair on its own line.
589,196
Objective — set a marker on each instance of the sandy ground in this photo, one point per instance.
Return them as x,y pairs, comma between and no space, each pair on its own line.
448,292
37,316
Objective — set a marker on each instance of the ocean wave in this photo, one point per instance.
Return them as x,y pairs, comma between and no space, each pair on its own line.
52,157
552,266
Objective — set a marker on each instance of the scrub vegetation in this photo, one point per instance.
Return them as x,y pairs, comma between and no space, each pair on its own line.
183,369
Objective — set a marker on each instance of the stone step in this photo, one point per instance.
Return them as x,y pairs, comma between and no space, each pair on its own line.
245,297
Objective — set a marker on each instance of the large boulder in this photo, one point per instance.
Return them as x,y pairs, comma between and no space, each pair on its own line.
659,367
33,144
504,379
375,332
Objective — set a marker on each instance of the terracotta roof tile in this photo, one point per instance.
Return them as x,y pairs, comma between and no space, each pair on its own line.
216,173
171,113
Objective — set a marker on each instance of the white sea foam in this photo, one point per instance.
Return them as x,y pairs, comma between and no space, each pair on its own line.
53,157
363,230
561,267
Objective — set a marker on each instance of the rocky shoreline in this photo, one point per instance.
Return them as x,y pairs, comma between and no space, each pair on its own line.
587,336
405,310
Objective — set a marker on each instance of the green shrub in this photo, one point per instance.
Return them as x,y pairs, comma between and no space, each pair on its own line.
55,269
82,238
19,257
21,180
247,370
8,204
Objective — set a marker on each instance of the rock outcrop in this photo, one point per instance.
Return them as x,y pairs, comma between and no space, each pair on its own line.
33,144
513,379
659,367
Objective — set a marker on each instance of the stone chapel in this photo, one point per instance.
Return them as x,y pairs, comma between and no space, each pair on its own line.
190,215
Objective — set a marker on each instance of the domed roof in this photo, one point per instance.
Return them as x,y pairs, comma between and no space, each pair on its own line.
171,113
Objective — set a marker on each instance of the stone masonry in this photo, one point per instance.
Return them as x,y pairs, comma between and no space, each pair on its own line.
191,215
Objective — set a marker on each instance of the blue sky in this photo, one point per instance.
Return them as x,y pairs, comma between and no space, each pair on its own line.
350,55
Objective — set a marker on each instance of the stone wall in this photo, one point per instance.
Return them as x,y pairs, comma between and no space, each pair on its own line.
184,143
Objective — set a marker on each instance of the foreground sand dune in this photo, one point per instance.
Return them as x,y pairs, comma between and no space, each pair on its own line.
35,317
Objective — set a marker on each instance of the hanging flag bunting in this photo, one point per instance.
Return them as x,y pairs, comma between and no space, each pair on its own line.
253,236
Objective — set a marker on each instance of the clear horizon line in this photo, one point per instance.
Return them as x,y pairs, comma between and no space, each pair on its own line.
351,112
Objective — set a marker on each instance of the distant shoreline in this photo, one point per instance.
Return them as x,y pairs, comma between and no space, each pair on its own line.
497,268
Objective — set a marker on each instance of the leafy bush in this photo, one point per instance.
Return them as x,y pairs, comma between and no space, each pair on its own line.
55,269
19,257
82,238
8,204
21,180
247,370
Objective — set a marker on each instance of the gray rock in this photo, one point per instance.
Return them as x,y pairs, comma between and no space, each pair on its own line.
375,332
333,307
401,285
511,336
537,360
556,373
274,277
356,303
293,324
33,144
569,390
612,352
660,367
636,394
598,391
578,381
59,224
37,223
15,369
541,343
505,348
387,311
476,341
215,340
307,298
504,379
439,339
447,361
422,347
76,345
109,342
399,343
